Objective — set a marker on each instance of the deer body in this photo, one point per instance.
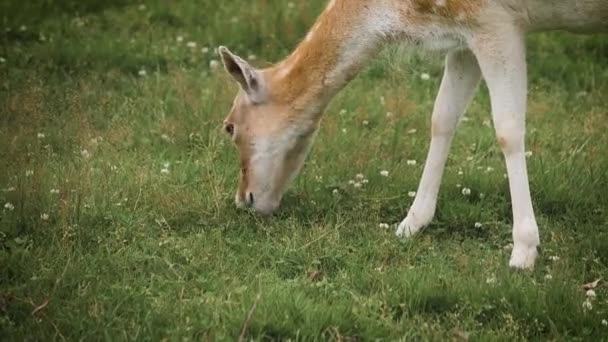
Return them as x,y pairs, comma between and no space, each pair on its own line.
277,111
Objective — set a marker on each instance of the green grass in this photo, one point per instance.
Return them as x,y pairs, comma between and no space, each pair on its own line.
130,253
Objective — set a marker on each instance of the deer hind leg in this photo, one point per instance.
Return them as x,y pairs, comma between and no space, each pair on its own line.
458,86
502,59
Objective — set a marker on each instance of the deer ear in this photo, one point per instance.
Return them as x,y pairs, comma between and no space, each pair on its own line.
244,74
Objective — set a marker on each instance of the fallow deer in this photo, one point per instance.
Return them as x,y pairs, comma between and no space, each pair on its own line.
277,111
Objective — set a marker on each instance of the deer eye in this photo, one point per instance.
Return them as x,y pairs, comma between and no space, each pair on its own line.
229,129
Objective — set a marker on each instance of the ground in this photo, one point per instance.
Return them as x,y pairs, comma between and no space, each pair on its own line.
117,219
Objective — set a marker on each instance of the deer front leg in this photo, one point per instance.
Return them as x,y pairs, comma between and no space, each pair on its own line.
460,79
502,59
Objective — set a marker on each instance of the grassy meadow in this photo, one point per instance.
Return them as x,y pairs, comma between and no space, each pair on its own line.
117,182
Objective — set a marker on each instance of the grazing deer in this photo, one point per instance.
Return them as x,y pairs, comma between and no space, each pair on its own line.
277,111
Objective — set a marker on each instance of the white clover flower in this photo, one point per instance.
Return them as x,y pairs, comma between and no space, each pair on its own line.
141,7
587,305
214,65
335,192
205,50
489,169
590,293
554,258
491,280
358,185
142,73
364,181
605,323
383,226
22,28
54,191
478,225
10,189
29,173
466,191
165,171
85,154
191,44
2,60
412,131
344,130
166,165
365,122
458,185
425,77
389,114
252,57
460,172
528,154
470,158
351,182
548,276
44,217
412,194
384,173
360,176
9,206
179,39
343,111
411,162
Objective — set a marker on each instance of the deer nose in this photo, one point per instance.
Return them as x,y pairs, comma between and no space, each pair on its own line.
249,199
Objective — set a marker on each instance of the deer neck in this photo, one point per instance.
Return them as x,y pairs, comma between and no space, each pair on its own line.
337,47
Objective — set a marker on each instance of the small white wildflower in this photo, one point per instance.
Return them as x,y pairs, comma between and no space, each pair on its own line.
351,182
411,162
384,173
234,20
29,173
291,5
389,114
359,176
179,39
481,195
2,60
85,154
365,122
113,167
252,57
343,111
382,100
505,176
528,154
213,64
412,194
22,28
165,138
487,123
54,191
191,44
590,294
470,158
489,169
605,323
40,135
44,217
425,77
466,191
205,50
478,225
141,7
548,276
344,130
412,131
458,185
166,165
491,280
142,72
165,171
10,189
465,119
460,172
9,206
335,192
383,226
357,185
587,305
554,258
364,181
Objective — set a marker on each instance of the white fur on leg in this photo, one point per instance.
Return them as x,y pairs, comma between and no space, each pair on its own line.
411,225
525,244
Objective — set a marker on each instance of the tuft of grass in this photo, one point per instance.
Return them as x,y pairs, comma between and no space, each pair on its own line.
120,181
